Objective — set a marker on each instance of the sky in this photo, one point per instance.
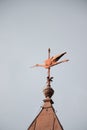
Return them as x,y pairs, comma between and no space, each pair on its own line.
27,29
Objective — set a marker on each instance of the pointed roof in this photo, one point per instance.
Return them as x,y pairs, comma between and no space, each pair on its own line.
47,118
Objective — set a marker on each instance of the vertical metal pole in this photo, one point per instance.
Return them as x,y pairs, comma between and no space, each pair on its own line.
49,68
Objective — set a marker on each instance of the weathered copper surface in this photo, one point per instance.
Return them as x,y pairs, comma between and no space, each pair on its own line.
46,119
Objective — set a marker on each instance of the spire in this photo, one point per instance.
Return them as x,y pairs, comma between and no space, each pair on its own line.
47,118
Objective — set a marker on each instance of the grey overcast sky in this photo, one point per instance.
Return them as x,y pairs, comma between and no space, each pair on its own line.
27,29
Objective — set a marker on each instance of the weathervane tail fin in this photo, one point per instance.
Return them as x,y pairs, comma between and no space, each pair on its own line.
66,60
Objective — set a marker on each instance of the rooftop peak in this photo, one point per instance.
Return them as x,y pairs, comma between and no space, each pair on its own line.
47,118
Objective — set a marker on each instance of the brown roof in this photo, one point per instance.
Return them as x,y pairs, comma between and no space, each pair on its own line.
46,119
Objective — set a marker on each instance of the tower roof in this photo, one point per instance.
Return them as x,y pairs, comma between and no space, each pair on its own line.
47,118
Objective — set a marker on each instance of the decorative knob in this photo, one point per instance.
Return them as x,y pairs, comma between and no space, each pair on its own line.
48,92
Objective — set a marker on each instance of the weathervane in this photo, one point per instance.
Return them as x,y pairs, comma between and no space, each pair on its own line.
50,62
